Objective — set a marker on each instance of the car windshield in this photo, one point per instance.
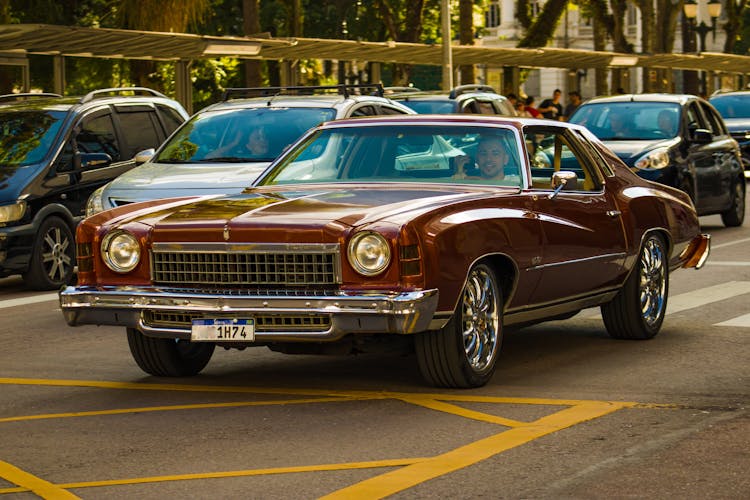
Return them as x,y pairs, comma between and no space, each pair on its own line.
403,153
27,136
432,107
732,106
240,135
629,120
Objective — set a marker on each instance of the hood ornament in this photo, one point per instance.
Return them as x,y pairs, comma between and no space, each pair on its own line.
226,232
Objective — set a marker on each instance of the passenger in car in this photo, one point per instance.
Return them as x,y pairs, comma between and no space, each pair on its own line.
254,145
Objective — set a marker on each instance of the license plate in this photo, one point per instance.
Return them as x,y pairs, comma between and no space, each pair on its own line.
223,330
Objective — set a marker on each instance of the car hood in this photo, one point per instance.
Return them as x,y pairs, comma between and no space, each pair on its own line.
310,213
165,180
14,180
737,124
630,151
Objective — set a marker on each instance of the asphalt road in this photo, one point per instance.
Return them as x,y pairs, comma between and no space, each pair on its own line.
570,412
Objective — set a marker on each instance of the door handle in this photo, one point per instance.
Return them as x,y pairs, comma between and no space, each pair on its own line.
614,213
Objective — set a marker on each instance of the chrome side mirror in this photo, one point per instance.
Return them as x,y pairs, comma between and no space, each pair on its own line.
563,180
144,156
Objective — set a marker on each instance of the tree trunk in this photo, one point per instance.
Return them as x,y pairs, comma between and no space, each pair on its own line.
466,37
600,43
543,27
251,26
6,72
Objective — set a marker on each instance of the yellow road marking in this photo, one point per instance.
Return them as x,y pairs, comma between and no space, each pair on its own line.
411,472
121,411
139,386
461,412
398,462
412,475
32,483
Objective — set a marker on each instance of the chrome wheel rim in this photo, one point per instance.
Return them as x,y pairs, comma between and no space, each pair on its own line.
55,254
480,320
653,282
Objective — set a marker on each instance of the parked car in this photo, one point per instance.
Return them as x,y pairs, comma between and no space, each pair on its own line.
474,99
734,107
381,231
677,140
54,152
225,146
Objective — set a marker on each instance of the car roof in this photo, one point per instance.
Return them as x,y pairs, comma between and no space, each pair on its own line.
730,93
338,97
447,119
655,97
56,102
457,93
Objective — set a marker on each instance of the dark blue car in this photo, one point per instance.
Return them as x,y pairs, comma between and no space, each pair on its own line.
734,107
677,140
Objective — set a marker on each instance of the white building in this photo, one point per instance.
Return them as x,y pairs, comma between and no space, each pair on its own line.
574,31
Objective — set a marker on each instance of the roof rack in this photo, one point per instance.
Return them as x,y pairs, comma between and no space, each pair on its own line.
120,91
463,89
345,90
25,96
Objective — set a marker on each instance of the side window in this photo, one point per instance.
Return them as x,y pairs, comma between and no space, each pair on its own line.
170,117
387,110
364,111
97,135
139,131
713,120
552,149
469,106
486,108
694,118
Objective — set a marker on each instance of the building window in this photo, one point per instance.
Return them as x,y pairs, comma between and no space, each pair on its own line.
492,16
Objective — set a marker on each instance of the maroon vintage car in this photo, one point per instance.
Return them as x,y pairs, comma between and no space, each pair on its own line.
434,232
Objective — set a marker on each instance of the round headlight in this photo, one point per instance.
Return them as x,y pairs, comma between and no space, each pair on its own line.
121,251
369,253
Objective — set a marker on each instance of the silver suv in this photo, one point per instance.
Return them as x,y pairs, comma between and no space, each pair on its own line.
472,99
225,146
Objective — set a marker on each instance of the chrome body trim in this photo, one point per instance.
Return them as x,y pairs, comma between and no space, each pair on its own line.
610,256
350,313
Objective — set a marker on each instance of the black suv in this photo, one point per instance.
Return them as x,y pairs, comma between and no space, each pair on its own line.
473,99
677,140
54,152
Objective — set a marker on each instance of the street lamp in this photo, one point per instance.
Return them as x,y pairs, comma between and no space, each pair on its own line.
690,9
691,12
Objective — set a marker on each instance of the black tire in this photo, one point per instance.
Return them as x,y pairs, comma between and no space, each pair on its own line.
52,256
735,216
464,353
169,357
637,312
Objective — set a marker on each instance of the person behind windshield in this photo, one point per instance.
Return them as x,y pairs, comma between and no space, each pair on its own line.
667,122
492,157
618,124
254,145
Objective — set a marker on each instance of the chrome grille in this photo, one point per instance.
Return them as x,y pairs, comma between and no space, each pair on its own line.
242,266
263,323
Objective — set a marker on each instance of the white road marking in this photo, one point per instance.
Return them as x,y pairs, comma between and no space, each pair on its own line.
744,240
47,297
708,295
696,298
739,321
728,263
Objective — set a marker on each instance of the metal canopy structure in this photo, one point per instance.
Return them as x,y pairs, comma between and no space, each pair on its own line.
130,44
18,40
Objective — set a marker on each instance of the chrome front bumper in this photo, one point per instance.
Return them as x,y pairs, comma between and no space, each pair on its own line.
376,312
